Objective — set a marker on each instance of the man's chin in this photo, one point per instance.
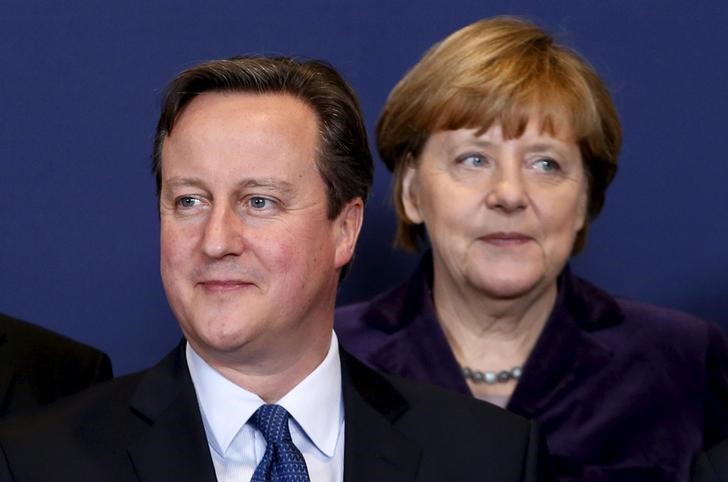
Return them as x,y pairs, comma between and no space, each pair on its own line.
218,339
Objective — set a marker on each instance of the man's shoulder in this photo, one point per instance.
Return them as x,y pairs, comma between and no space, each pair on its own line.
94,409
147,422
83,437
447,410
384,390
144,395
40,366
453,436
26,338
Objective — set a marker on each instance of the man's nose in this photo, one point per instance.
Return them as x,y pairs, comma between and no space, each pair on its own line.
223,234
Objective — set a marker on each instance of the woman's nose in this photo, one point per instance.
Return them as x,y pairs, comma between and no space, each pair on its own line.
507,191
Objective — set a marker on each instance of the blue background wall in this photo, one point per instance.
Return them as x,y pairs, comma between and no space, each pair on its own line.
80,83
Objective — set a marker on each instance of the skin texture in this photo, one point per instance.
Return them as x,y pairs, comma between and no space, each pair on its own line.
249,260
502,216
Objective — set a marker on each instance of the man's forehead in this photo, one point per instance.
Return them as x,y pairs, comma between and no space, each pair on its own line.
237,117
244,106
256,138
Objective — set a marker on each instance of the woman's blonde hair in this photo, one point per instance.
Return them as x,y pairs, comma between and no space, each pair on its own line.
506,71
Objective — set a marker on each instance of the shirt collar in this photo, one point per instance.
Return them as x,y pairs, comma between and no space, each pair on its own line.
315,404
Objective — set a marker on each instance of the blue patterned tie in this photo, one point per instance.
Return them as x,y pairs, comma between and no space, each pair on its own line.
282,461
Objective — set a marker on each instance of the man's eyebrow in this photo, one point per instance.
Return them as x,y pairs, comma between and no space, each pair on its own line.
184,181
264,182
268,183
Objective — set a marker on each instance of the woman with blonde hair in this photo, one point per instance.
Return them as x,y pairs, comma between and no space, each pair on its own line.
502,144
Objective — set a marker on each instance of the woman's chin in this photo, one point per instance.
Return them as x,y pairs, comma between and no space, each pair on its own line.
510,285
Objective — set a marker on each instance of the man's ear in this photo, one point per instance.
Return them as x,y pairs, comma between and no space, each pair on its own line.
348,225
410,196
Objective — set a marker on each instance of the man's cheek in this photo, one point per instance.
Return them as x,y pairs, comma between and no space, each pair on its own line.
289,264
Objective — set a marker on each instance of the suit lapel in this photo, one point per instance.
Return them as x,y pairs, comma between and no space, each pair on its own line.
374,449
175,446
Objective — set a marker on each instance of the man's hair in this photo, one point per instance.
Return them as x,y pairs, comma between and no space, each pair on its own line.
505,71
344,161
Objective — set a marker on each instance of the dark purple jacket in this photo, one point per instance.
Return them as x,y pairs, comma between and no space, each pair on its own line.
624,391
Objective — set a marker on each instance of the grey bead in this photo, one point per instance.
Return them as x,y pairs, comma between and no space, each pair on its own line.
491,378
504,376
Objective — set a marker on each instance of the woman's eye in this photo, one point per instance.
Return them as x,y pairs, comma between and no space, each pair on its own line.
547,165
473,160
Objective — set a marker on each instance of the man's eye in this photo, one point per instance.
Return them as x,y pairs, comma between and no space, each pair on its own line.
258,202
187,202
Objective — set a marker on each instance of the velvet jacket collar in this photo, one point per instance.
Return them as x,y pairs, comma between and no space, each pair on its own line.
564,352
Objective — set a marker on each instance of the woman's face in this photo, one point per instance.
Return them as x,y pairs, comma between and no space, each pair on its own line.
502,215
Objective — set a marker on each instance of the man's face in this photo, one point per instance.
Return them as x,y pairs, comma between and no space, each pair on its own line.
249,259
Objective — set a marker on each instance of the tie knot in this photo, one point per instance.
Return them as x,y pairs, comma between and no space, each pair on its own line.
282,461
272,421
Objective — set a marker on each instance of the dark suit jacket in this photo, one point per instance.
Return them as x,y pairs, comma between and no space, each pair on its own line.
147,427
624,391
38,366
712,466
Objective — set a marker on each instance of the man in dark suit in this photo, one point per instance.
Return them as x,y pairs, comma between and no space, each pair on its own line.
38,366
262,169
712,466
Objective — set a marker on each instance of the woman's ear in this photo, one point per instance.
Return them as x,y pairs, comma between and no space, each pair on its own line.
581,210
410,195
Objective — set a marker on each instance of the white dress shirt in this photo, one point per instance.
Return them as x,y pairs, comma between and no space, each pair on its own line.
317,420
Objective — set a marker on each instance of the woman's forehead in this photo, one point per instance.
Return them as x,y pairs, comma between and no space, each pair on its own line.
559,116
512,127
